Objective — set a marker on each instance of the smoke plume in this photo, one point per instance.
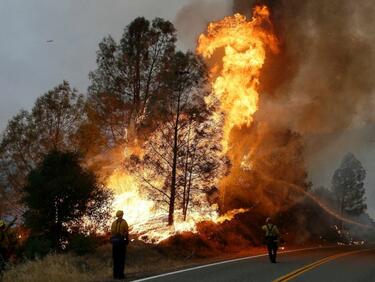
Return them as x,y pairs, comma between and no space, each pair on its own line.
321,85
316,90
193,18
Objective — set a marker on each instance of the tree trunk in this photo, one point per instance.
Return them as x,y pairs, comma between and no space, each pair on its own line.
173,183
342,207
174,165
187,196
137,91
186,168
188,191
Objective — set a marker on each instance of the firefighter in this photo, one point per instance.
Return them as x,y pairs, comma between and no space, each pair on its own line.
272,239
3,238
5,242
120,240
6,238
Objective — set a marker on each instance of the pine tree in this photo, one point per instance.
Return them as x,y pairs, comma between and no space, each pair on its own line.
348,186
53,124
127,80
61,196
180,159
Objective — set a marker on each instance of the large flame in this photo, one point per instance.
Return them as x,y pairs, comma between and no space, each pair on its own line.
236,75
129,196
147,220
235,78
236,50
146,217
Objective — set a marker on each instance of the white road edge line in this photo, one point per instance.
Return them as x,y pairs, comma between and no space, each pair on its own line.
226,261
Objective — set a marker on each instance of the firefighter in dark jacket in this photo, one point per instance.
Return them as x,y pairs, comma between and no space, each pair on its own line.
120,240
4,240
272,239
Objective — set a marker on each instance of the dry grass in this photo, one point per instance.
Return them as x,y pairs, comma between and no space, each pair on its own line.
57,268
142,260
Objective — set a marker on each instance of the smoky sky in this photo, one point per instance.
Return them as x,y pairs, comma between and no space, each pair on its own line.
321,85
29,66
327,89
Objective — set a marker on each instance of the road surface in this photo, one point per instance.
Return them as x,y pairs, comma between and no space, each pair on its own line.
344,264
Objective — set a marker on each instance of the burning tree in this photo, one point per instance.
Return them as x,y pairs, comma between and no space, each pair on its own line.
166,149
202,164
146,104
181,156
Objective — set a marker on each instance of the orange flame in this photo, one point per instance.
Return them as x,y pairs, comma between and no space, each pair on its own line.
236,77
147,220
145,217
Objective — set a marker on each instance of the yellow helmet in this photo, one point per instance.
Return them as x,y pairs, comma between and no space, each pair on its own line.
2,223
119,213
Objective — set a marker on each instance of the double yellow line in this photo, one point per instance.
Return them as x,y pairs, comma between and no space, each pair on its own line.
313,265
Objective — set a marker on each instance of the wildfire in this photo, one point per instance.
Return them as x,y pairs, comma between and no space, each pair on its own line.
235,79
236,76
150,222
145,217
129,197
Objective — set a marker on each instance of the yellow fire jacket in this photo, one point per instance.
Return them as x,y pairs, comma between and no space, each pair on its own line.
120,227
271,230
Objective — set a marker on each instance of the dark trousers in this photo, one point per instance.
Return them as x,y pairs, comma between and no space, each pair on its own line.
119,255
272,250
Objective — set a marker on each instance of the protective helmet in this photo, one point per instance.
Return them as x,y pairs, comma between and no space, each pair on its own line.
2,223
119,213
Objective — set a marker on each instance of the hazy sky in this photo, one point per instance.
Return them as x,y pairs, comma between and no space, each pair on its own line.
29,66
360,142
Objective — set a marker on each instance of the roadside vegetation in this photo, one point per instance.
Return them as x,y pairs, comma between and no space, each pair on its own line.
142,259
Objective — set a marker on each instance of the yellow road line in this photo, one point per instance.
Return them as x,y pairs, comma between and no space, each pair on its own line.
313,265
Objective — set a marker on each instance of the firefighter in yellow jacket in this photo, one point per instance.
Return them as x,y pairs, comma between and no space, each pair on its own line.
120,240
272,239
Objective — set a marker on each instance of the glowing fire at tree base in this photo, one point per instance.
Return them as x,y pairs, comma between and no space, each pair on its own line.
150,222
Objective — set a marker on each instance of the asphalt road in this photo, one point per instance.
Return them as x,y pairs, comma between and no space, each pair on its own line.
344,264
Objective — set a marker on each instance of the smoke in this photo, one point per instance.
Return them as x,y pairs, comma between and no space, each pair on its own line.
328,63
275,160
317,94
321,85
193,19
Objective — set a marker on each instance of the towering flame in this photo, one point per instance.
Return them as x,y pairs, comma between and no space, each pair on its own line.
236,74
235,48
